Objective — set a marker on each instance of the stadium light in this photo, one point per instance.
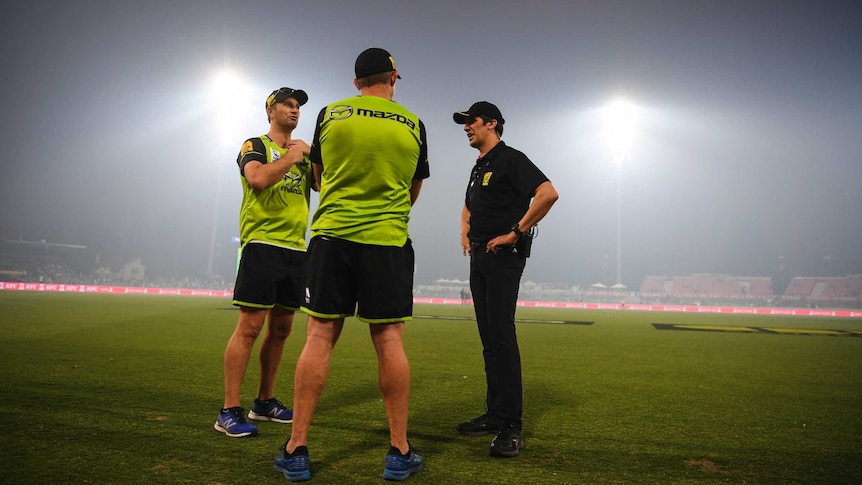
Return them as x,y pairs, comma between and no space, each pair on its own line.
620,128
231,97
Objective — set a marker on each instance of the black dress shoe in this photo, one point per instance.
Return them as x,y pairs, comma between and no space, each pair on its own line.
482,425
507,443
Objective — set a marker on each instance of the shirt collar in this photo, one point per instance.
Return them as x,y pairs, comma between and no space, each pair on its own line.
490,155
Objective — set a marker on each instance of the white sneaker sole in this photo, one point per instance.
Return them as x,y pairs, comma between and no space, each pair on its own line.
262,417
220,429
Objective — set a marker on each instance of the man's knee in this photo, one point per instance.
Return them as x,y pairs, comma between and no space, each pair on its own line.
280,323
250,322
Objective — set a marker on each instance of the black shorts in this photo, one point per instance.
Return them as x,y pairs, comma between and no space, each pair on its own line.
269,275
373,282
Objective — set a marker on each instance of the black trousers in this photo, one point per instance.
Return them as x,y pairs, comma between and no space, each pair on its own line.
494,281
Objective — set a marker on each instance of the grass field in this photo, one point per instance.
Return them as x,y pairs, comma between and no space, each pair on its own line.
125,389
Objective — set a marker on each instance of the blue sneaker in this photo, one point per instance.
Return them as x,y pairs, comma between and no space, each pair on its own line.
270,410
232,423
293,467
399,467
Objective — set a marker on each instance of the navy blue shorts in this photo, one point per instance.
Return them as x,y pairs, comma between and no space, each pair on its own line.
373,282
269,275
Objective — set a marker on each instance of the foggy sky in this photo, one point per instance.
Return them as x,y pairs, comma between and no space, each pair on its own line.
748,147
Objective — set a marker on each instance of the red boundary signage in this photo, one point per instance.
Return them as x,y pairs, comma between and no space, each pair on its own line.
119,290
133,290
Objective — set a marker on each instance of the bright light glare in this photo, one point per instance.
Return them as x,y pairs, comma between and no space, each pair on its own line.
231,96
620,129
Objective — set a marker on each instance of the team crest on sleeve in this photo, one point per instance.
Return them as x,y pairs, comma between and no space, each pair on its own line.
246,147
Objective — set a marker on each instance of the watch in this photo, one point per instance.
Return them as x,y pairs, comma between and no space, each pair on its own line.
516,230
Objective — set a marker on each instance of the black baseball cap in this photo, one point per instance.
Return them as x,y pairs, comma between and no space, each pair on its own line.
374,60
281,94
480,108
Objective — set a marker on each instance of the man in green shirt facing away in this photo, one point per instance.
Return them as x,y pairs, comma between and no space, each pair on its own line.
370,155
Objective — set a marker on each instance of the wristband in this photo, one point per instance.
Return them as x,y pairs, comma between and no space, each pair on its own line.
516,230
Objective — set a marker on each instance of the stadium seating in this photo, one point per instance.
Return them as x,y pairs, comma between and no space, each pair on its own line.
825,289
707,286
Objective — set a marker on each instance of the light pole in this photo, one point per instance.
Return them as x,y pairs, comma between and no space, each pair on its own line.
620,130
217,205
228,93
619,224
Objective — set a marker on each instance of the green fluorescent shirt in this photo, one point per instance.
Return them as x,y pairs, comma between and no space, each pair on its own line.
278,214
371,150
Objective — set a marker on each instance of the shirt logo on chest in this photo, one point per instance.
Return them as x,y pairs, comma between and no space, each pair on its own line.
292,182
486,177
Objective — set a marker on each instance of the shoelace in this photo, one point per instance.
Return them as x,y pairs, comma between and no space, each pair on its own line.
238,415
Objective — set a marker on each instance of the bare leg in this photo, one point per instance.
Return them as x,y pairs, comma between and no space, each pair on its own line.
394,378
238,352
272,348
312,371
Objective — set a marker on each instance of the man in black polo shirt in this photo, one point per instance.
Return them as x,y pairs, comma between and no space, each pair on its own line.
495,233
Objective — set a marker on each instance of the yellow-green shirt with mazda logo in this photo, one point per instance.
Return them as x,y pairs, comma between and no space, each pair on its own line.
371,150
276,215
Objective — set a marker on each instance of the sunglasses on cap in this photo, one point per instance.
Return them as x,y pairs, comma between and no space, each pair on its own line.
281,94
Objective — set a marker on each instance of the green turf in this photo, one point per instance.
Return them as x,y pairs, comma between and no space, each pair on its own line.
125,389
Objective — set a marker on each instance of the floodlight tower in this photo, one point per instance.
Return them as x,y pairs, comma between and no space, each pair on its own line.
620,130
228,94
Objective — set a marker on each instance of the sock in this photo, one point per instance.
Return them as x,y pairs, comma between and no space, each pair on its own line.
298,451
395,451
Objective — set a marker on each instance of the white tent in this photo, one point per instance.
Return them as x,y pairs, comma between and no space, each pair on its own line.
444,281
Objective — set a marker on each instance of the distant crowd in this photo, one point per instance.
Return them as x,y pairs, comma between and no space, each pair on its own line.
38,269
52,269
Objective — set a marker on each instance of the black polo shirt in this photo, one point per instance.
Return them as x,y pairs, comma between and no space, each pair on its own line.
501,186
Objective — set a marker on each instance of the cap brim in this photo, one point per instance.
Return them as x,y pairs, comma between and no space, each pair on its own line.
461,117
300,96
